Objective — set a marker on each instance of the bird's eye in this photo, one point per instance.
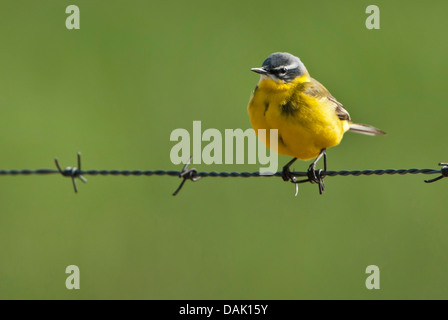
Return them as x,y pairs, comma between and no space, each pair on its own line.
282,70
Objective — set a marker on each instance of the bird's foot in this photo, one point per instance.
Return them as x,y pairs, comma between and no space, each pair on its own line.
316,176
287,175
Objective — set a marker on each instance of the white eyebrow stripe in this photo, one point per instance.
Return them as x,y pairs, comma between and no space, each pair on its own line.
293,66
289,66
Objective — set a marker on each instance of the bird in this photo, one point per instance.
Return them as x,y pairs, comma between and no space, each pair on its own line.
308,118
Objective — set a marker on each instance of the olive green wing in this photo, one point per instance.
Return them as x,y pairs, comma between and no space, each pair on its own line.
315,89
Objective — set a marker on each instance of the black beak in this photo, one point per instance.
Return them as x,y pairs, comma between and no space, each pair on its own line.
259,70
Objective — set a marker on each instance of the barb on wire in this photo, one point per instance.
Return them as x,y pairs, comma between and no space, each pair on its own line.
193,175
72,172
187,174
443,171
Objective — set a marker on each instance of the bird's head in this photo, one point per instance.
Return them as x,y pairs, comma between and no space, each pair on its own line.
283,68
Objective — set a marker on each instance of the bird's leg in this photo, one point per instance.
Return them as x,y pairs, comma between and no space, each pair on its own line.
286,173
317,177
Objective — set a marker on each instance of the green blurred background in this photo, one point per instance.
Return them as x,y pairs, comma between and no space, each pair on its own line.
136,70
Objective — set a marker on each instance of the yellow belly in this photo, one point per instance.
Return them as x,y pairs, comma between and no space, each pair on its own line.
301,134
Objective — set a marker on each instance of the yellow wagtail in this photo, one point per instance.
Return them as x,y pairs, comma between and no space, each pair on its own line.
308,118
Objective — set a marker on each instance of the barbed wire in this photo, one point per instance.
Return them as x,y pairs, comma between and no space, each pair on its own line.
193,175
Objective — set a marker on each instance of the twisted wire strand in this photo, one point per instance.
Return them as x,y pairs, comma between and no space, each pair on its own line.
192,174
173,173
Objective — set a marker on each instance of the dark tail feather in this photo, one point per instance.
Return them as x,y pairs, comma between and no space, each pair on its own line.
365,129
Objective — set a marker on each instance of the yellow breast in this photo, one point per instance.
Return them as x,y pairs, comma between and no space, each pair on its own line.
305,124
